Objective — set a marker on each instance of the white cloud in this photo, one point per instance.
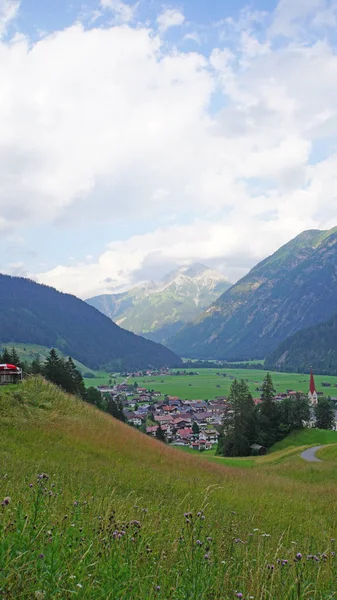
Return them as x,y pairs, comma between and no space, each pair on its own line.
295,16
171,17
218,153
8,11
122,11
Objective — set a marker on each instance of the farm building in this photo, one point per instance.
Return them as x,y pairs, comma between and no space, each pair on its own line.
10,374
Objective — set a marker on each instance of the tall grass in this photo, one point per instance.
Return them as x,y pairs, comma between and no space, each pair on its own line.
97,510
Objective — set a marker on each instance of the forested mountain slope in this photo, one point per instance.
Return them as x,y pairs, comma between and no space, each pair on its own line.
37,314
314,347
294,288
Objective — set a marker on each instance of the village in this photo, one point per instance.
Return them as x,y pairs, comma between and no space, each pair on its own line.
194,424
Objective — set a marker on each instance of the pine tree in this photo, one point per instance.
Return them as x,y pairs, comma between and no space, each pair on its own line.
6,357
76,384
300,411
93,396
239,429
14,358
195,428
325,413
36,366
115,408
160,435
269,417
53,368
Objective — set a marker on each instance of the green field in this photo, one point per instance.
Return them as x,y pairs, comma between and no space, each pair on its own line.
208,385
116,515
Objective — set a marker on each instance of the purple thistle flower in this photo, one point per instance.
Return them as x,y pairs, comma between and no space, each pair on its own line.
30,485
75,503
198,543
284,562
270,567
158,588
6,501
239,595
41,556
298,556
207,556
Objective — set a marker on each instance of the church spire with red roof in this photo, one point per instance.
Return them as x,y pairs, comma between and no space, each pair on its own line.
312,389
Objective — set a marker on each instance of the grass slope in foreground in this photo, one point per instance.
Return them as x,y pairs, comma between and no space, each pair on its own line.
121,516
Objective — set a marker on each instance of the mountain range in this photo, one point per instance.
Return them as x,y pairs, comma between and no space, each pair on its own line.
36,314
293,289
158,310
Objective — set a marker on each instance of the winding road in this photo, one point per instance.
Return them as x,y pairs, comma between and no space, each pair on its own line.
310,454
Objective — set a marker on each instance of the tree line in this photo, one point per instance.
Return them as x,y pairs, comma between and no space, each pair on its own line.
270,421
63,372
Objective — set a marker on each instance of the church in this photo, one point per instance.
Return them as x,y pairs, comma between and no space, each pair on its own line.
313,398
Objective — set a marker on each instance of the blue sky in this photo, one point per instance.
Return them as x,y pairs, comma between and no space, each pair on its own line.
137,137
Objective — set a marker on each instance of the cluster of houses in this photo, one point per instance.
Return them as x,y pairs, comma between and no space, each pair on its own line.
192,423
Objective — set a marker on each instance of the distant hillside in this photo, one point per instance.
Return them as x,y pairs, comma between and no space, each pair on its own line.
37,314
294,288
158,311
312,347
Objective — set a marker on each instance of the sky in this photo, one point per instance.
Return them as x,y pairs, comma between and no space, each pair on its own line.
136,137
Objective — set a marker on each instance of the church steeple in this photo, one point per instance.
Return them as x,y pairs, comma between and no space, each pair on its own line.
312,390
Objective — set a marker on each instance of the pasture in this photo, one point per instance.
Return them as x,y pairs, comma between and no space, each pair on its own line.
211,383
92,509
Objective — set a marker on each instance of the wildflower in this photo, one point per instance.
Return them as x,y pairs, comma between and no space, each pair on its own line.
31,485
239,595
271,567
209,539
207,556
41,556
198,543
298,556
158,588
43,476
6,501
75,503
324,556
79,585
284,562
135,523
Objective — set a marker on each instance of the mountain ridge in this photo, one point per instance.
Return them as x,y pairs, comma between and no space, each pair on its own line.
158,310
38,314
293,288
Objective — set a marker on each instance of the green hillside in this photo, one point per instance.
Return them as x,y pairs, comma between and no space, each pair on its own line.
93,509
36,314
158,311
315,346
290,290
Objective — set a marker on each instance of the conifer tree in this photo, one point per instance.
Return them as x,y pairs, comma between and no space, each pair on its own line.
160,435
5,357
269,420
239,429
14,358
325,413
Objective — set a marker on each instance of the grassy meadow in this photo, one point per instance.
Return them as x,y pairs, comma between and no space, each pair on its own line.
208,385
92,509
